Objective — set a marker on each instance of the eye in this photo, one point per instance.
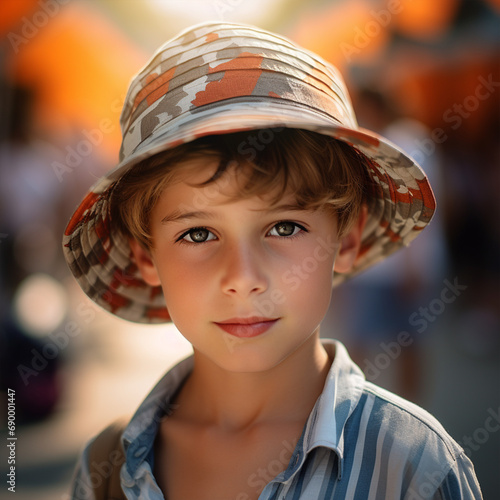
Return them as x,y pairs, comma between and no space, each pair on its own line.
197,235
286,228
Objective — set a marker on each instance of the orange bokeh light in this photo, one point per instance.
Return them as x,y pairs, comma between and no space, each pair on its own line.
425,18
79,66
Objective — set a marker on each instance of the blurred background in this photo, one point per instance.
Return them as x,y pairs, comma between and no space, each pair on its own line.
425,324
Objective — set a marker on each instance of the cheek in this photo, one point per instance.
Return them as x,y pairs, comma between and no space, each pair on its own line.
184,286
309,286
181,269
320,289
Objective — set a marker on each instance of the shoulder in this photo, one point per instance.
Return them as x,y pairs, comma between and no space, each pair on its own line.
128,441
98,471
411,424
398,440
81,483
402,429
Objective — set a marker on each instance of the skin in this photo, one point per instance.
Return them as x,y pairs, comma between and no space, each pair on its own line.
242,391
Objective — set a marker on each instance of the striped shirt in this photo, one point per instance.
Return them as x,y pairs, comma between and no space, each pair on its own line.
359,442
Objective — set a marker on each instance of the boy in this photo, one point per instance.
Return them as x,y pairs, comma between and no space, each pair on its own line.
244,187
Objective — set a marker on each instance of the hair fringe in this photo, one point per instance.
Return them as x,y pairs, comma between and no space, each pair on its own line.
319,170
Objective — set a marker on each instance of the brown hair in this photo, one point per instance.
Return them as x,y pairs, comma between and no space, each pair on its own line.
319,170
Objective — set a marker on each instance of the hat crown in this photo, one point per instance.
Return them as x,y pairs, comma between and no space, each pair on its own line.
215,64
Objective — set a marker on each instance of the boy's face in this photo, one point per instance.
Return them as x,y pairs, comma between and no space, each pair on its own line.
246,282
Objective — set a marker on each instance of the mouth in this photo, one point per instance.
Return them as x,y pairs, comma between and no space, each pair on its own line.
247,327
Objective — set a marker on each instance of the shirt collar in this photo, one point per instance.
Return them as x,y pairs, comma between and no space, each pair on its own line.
139,435
341,394
325,426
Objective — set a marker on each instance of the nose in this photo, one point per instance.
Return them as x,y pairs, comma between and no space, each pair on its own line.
243,271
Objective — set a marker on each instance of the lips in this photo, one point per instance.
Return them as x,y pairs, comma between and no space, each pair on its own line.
247,327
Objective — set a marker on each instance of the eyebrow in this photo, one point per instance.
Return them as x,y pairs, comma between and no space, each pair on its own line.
286,207
177,215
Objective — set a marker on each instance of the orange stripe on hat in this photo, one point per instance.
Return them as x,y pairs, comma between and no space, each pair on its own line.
427,194
241,75
211,37
158,313
156,86
114,300
87,203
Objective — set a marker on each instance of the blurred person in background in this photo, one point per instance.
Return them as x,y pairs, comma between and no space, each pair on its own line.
403,282
472,229
30,219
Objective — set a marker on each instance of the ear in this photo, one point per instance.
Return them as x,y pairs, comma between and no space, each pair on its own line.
350,243
145,263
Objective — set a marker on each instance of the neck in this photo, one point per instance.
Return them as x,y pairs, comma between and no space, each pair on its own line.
237,401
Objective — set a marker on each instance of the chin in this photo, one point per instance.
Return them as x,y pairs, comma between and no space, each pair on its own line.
253,361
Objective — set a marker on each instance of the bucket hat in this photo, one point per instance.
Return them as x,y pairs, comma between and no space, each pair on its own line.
221,78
